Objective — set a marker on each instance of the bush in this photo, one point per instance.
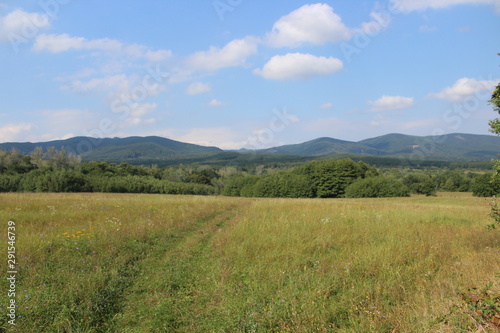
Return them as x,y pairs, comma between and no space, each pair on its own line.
484,186
377,187
284,185
240,186
420,184
330,178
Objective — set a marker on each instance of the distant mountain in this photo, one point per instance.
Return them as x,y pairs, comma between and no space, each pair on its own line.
324,146
153,149
118,149
449,147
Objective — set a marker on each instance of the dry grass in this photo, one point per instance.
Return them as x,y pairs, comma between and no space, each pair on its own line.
129,263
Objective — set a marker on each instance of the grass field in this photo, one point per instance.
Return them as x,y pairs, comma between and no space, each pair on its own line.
158,263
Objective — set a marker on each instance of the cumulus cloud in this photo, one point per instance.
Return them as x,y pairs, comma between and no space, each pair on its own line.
63,42
15,132
222,137
138,111
386,103
20,25
127,95
118,82
380,20
216,103
298,66
407,6
55,122
315,24
465,88
197,88
232,54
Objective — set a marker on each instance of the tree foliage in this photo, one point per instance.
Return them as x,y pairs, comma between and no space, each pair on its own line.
59,171
484,186
495,125
317,179
377,187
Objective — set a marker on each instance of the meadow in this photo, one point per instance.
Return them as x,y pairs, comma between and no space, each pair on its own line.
163,263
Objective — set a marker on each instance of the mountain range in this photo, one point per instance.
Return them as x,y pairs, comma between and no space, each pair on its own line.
457,146
153,149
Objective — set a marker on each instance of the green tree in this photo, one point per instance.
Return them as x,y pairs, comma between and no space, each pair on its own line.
240,185
376,187
483,186
495,124
330,178
420,183
38,157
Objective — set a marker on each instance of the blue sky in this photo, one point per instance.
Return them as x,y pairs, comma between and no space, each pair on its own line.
246,74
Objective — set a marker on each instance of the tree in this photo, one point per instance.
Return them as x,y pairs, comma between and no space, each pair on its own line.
420,184
38,157
330,178
483,186
495,123
495,100
495,128
377,187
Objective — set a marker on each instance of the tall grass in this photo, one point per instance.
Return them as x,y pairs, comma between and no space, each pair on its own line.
156,263
79,253
379,265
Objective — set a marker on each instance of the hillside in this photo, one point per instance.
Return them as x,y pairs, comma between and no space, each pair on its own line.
449,147
118,149
162,151
324,146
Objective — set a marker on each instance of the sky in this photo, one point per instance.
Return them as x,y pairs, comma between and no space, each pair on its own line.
246,73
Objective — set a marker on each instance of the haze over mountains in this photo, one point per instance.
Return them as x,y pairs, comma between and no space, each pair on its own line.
449,147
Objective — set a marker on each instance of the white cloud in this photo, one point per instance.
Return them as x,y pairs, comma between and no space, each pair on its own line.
326,106
137,113
21,25
407,6
61,43
216,104
222,137
386,103
298,66
15,132
57,123
232,54
380,120
465,88
380,20
119,82
197,88
315,24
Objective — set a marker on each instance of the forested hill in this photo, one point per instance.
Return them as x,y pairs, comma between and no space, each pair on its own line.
153,149
117,149
449,147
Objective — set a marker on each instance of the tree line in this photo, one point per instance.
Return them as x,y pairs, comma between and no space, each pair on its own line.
59,171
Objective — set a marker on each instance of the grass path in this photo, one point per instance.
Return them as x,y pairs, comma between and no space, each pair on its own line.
173,291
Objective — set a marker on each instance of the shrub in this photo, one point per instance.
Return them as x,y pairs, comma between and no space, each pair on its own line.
377,187
484,186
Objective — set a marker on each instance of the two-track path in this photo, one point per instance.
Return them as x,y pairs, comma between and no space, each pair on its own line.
176,284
